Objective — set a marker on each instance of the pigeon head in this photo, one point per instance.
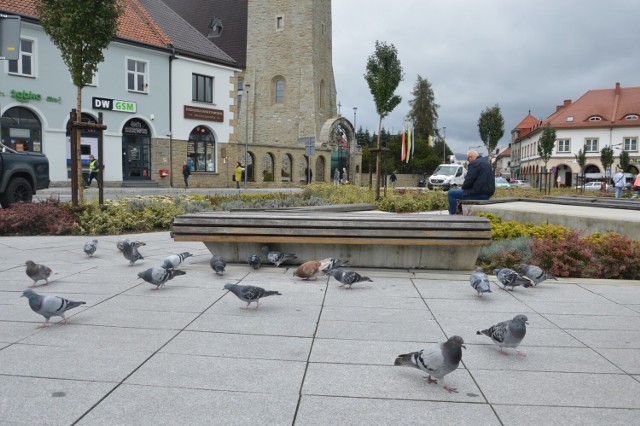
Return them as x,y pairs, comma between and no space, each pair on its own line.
229,286
29,294
30,263
167,264
456,341
522,319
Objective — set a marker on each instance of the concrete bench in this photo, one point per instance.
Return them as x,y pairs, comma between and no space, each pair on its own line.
366,239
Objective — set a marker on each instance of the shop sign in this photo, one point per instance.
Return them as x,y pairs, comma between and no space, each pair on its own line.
113,105
26,96
207,114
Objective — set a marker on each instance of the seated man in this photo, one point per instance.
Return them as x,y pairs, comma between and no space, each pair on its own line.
479,184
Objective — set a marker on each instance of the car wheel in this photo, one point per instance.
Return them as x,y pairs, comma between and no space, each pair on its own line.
18,189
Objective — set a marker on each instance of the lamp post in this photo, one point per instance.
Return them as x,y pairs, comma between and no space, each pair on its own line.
246,135
477,146
352,147
444,144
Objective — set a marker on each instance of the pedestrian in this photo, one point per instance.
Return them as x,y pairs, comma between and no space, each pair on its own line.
618,182
393,178
636,185
479,184
237,174
336,177
186,172
559,181
94,169
344,175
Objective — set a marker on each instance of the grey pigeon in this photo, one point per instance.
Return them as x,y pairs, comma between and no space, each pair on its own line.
218,264
332,263
174,260
254,261
130,251
91,247
159,276
437,360
510,278
277,257
250,293
508,334
49,306
480,282
536,273
120,243
347,276
38,272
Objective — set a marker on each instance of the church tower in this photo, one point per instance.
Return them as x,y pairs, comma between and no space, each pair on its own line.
289,94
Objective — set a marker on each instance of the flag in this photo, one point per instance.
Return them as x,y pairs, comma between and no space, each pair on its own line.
413,144
403,150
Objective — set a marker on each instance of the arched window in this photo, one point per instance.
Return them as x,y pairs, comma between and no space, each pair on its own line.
201,150
249,167
320,165
279,91
302,169
21,130
286,173
267,168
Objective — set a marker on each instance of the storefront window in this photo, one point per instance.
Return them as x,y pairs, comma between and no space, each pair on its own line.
21,130
201,150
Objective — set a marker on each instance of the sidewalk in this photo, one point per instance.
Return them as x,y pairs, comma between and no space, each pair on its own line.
317,355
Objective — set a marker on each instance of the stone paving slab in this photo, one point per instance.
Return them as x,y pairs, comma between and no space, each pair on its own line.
318,354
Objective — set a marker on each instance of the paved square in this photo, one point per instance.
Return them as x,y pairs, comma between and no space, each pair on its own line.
316,355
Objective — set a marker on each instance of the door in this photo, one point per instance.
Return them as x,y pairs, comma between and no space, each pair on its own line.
136,149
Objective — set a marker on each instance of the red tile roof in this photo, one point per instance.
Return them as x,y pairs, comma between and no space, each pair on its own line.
135,24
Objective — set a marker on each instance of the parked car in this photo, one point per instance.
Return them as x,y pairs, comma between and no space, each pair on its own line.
520,184
21,174
592,186
502,183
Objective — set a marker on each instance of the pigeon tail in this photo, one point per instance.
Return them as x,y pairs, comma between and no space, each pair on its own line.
406,360
271,293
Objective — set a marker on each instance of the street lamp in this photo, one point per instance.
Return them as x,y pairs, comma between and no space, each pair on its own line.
246,136
352,148
477,146
444,144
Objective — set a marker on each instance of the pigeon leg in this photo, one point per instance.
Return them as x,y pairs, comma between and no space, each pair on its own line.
257,304
341,285
521,354
65,321
431,380
502,352
450,389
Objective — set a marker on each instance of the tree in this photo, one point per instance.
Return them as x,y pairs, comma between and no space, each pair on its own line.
424,110
606,158
81,30
491,127
384,74
546,144
581,159
363,137
624,161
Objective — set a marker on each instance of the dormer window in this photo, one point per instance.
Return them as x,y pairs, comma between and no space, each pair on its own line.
215,28
570,119
595,118
631,117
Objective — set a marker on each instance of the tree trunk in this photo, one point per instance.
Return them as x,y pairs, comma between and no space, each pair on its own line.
378,160
80,181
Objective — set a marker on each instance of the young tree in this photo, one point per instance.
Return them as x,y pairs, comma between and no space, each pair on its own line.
424,110
384,74
624,161
81,30
491,127
581,159
546,144
606,158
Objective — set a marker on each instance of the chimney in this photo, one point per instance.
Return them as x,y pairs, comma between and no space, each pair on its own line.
617,92
567,102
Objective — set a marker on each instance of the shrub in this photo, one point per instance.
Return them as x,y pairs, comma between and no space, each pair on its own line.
45,218
505,254
615,256
569,256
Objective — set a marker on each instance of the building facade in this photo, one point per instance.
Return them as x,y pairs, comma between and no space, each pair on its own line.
600,118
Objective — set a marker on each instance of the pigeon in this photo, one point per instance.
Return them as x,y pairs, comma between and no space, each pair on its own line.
91,247
159,276
437,360
250,293
130,251
480,282
254,261
536,273
49,306
510,278
308,270
38,272
508,334
120,243
173,261
347,276
218,264
332,263
277,257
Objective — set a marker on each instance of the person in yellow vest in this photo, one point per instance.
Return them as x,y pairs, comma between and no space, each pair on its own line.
237,174
94,168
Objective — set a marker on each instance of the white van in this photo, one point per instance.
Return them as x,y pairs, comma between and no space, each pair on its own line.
447,176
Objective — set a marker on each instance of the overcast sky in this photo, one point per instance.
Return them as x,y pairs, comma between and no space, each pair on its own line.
478,53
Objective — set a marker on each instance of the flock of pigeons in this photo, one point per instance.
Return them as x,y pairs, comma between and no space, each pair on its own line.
437,360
